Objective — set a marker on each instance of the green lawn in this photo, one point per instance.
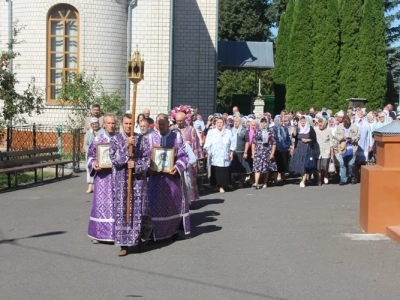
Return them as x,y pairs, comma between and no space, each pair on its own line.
24,178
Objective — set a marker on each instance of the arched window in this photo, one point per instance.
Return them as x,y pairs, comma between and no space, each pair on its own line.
62,48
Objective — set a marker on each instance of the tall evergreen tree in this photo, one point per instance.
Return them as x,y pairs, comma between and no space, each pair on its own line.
325,53
350,14
372,63
281,71
299,81
392,50
243,20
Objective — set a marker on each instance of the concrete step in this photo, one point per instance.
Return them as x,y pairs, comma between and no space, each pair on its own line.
393,232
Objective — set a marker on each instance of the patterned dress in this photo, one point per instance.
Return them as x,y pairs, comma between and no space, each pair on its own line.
101,223
168,205
262,162
139,226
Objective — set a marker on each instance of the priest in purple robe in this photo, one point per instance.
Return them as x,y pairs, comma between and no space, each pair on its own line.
101,223
169,208
138,229
189,135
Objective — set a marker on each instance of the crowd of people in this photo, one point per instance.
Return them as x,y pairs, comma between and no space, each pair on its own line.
237,150
263,150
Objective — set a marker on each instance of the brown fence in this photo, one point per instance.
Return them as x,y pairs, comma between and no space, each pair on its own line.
69,142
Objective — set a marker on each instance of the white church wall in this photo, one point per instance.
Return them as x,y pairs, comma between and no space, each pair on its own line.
151,32
195,38
102,45
3,25
103,48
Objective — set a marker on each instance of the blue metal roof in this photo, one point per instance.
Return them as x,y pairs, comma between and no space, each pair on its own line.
246,55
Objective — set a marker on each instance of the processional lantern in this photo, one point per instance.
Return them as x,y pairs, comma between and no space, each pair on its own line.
135,73
135,70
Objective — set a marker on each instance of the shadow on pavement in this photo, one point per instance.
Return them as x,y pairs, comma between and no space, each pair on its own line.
195,205
51,233
197,219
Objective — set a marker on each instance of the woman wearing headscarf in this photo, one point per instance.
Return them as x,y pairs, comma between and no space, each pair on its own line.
332,124
323,149
365,144
219,148
89,137
240,140
371,120
383,119
283,144
263,153
303,159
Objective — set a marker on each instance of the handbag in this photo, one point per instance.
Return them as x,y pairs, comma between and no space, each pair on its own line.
310,163
349,150
332,168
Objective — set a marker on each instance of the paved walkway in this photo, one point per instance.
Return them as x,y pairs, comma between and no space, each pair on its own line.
283,243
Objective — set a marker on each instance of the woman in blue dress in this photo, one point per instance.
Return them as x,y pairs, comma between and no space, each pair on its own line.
303,160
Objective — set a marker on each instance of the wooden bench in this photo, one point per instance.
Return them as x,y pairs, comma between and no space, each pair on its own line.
14,162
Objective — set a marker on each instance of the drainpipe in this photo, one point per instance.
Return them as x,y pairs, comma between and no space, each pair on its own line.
131,4
171,55
216,58
10,35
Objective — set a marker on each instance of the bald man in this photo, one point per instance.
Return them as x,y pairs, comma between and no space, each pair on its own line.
146,113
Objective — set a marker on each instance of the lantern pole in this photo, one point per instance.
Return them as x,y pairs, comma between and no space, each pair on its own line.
135,74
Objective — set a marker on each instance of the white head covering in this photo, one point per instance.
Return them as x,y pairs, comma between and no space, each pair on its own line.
340,113
94,120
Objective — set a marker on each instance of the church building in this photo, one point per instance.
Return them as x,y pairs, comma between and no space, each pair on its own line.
178,39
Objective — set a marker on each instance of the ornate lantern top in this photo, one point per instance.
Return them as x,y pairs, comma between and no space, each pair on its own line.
135,68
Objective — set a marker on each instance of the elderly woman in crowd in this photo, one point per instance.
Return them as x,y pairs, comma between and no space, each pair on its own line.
383,119
283,144
303,159
240,140
371,119
220,149
263,153
365,144
332,123
229,122
286,121
89,137
323,149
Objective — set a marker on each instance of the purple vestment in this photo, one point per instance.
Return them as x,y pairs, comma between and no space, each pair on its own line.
139,227
190,136
168,205
101,224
